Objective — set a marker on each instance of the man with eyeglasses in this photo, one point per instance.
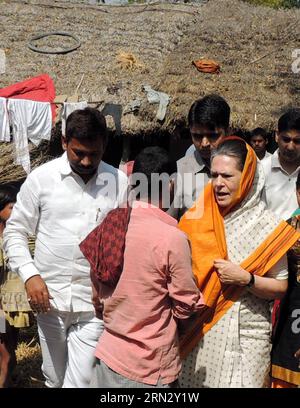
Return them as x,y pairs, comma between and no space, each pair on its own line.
282,168
208,121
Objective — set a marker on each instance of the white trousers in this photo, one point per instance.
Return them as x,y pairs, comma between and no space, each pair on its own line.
68,341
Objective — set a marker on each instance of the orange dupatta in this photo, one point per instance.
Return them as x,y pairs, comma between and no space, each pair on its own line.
208,242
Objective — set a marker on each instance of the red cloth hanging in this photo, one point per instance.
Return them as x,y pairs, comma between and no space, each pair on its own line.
40,88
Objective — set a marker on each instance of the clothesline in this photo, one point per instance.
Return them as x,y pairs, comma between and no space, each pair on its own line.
29,120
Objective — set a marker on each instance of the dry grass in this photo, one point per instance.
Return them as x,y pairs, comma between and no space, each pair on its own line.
149,33
9,171
164,38
28,371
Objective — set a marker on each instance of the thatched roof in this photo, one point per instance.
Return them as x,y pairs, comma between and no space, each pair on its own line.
9,171
252,44
165,39
237,34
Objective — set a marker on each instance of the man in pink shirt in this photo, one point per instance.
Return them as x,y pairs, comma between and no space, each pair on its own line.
139,346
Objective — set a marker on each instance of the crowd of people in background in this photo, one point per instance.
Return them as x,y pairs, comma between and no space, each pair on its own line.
168,278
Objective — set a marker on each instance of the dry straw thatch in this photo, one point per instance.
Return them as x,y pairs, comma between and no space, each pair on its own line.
9,172
252,44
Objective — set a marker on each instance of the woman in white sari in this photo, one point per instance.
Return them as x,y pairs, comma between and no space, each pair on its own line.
238,255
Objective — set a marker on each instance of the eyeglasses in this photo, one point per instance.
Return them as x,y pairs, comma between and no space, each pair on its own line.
287,139
212,136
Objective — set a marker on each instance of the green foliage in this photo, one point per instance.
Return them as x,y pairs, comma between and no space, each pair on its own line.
291,3
276,3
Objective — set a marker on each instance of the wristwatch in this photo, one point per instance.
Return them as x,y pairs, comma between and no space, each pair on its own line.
251,281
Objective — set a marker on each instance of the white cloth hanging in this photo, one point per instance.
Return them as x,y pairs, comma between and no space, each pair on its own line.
68,108
158,97
30,120
4,123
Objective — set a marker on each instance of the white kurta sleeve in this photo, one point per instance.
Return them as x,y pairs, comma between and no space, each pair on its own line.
122,189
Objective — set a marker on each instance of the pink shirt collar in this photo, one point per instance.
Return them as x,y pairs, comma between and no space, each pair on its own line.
140,206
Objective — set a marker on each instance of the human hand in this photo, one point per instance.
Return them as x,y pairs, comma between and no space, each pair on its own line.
297,354
38,294
98,306
230,273
97,302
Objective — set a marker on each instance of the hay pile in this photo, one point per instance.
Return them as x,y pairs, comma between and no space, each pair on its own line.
236,34
28,371
164,39
149,33
29,359
253,45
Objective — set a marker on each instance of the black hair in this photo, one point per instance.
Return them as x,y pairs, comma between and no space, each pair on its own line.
289,121
259,132
234,148
86,124
8,194
211,111
153,160
298,181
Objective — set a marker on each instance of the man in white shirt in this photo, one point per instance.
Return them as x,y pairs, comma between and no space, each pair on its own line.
61,202
208,121
259,141
190,150
282,168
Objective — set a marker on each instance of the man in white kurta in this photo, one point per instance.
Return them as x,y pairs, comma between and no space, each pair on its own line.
280,187
61,202
282,168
